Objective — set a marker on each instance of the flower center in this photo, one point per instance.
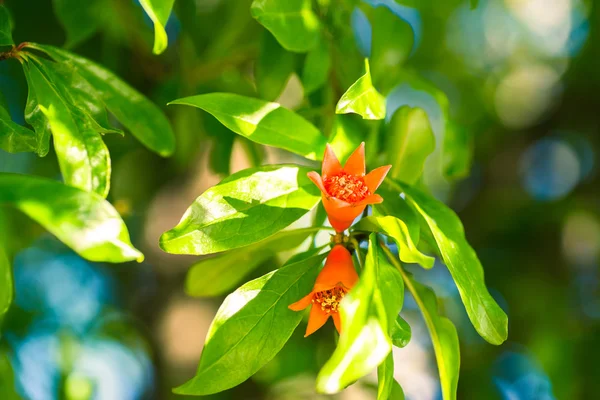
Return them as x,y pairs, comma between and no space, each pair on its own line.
329,300
350,188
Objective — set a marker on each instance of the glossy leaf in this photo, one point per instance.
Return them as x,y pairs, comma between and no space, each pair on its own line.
82,155
262,122
400,332
367,312
138,114
385,378
346,136
409,141
15,138
316,67
292,22
274,67
464,266
5,27
82,220
159,12
6,284
362,98
398,230
78,18
217,275
391,44
457,152
245,208
250,328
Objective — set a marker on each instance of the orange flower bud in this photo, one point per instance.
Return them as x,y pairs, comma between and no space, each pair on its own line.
346,191
334,281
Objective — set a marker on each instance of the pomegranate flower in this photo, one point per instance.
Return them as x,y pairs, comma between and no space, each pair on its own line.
346,191
336,278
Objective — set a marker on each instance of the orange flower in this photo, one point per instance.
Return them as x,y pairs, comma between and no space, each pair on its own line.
347,191
334,281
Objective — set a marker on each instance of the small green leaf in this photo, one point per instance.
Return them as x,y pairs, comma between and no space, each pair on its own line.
250,328
273,67
385,378
316,67
398,230
262,122
78,18
457,152
82,220
138,114
15,138
245,208
5,27
400,332
397,392
367,312
462,262
409,141
216,275
292,22
346,135
6,284
159,12
82,155
362,98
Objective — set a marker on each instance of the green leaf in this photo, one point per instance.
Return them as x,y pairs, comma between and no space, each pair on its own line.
362,98
391,44
462,262
398,230
346,136
400,332
397,392
138,114
82,155
292,22
273,67
7,379
244,208
367,312
216,275
457,152
6,284
159,12
262,122
78,18
385,378
15,138
316,67
5,27
474,4
84,221
409,141
251,326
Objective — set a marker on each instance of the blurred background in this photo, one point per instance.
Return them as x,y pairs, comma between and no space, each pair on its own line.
522,79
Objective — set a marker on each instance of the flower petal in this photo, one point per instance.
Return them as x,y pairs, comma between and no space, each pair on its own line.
372,199
375,177
316,319
356,162
337,321
339,268
317,180
331,165
302,303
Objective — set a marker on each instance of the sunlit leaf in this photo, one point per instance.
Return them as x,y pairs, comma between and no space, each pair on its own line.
316,67
6,284
409,141
400,332
362,98
368,311
273,67
78,18
250,328
244,208
5,27
159,12
15,138
138,114
84,221
346,135
397,392
262,122
457,151
216,275
385,378
82,155
462,262
292,22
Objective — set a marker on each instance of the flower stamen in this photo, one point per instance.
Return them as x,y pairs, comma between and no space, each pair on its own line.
329,300
347,187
